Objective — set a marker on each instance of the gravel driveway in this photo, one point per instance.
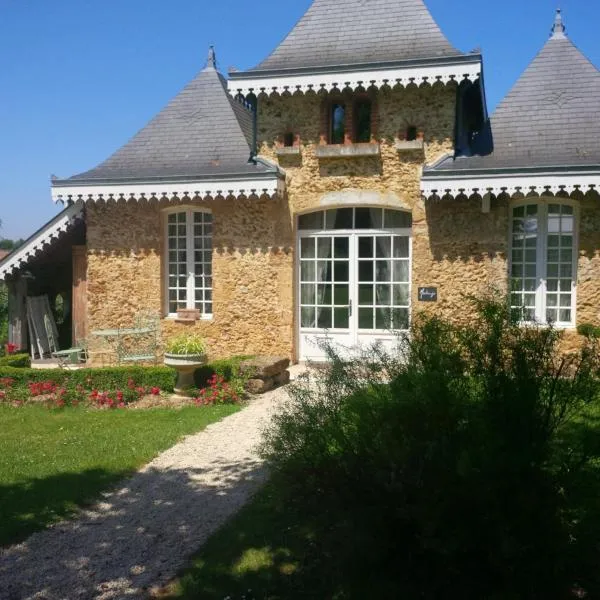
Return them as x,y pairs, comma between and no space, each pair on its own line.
142,533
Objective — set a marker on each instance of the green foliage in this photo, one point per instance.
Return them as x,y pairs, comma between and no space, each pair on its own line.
452,465
588,330
56,460
6,244
22,360
228,368
115,378
3,314
186,343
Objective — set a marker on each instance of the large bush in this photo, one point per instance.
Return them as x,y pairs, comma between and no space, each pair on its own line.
450,469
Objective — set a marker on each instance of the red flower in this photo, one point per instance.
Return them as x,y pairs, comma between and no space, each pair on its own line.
119,396
155,391
10,348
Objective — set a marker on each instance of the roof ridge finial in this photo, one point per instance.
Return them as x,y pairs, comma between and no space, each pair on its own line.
558,29
211,63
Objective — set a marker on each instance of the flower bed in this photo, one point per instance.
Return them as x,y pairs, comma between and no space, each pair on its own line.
118,387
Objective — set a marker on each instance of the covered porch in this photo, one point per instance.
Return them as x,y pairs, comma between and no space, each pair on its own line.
52,265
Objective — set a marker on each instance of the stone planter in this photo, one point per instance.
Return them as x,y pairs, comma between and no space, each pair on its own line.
185,364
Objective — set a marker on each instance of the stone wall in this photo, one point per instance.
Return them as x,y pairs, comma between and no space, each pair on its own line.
456,247
252,266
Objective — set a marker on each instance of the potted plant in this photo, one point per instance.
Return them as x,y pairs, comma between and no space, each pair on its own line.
185,353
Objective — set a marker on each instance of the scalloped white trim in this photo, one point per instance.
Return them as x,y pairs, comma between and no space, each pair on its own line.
511,184
146,191
377,78
51,232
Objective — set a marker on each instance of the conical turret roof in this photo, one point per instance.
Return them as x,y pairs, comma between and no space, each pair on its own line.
550,118
335,32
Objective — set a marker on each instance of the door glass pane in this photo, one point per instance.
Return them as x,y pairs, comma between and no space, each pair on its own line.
341,318
324,317
383,270
365,270
383,295
308,316
307,248
341,247
365,295
400,318
324,247
365,247
324,270
341,270
400,247
307,294
397,219
312,221
307,271
341,295
369,218
383,247
365,318
339,219
383,318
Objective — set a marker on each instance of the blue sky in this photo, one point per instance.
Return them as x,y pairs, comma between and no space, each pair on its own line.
79,77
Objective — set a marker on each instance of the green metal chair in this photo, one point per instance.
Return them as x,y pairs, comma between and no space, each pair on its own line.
71,356
141,343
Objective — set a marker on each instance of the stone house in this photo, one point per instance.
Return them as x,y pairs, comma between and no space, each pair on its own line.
333,191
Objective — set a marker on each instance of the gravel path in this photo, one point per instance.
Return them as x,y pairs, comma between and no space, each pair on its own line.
142,533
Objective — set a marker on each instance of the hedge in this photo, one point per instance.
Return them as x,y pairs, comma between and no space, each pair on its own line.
114,378
16,360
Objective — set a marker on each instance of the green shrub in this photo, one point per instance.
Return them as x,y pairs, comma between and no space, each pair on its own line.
450,463
228,368
588,330
22,360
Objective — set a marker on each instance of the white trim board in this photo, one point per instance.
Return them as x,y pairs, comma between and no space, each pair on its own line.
146,191
46,235
404,76
455,185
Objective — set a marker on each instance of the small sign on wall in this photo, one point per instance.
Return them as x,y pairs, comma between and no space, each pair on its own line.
428,294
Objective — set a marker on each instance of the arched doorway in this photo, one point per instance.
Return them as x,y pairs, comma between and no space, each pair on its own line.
354,273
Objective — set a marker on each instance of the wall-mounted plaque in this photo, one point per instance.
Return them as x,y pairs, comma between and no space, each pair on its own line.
428,294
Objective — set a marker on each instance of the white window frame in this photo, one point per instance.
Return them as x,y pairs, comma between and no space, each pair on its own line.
541,256
191,282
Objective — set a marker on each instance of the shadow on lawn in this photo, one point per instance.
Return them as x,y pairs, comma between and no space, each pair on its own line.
32,505
137,537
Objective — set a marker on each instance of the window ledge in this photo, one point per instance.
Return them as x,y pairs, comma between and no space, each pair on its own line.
288,151
347,150
174,318
407,146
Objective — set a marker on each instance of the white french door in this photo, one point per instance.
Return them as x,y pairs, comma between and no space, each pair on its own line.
354,284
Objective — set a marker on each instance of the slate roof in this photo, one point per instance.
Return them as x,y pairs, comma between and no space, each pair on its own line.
202,132
551,117
344,32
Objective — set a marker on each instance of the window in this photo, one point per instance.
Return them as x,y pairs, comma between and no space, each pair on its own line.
189,258
337,120
288,139
543,262
362,121
411,133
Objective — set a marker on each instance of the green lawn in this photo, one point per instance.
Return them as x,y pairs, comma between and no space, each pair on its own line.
53,461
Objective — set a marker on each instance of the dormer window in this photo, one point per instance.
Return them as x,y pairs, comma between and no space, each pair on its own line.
363,109
288,139
411,133
337,120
